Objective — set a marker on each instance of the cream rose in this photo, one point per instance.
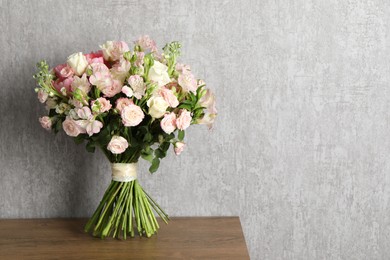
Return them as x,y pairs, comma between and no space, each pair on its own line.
132,115
157,106
78,63
159,74
117,145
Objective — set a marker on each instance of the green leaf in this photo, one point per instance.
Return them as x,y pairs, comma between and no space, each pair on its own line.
90,146
159,153
147,157
165,146
155,164
180,135
148,137
79,139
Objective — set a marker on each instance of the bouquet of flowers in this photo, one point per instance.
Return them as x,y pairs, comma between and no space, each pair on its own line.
131,104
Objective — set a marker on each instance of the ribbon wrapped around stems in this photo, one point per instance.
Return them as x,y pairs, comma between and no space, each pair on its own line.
124,172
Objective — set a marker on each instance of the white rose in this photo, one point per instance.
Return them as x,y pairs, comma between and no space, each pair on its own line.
117,145
78,63
159,74
157,106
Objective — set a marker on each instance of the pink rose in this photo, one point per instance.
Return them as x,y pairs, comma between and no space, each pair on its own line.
127,91
104,105
137,84
99,68
179,147
184,119
188,82
169,97
59,84
95,57
113,89
42,96
71,128
132,115
122,102
45,122
66,72
146,43
168,123
58,68
117,145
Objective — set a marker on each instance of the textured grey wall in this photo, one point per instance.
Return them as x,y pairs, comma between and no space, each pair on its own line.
301,144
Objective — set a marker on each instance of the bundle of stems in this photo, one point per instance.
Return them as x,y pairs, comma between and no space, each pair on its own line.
124,207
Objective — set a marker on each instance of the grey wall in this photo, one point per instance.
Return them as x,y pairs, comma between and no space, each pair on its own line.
300,150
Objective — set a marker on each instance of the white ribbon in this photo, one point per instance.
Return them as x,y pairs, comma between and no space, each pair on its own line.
124,172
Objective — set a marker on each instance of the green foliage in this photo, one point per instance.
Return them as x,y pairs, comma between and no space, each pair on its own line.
155,164
180,135
171,53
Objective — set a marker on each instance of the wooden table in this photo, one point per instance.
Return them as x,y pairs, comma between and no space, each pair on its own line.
182,238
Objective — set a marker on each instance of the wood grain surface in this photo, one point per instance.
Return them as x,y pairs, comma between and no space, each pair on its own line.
182,238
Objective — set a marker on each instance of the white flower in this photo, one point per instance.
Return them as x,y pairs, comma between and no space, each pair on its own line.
159,74
117,145
78,63
112,51
157,106
137,84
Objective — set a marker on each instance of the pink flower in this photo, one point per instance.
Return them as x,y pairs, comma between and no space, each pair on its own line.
140,59
84,113
103,105
117,145
112,51
208,101
208,120
182,68
42,96
184,119
168,123
45,122
66,72
132,115
58,68
122,102
93,127
114,88
127,91
81,83
146,43
99,68
179,147
120,70
188,82
71,128
169,97
137,84
63,83
95,57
